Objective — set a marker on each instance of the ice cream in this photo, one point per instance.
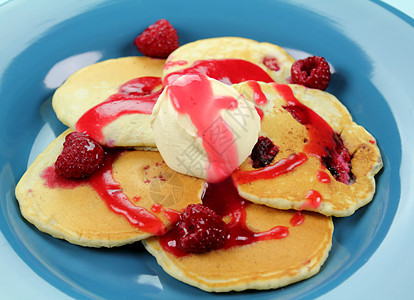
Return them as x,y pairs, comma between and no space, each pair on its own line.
203,127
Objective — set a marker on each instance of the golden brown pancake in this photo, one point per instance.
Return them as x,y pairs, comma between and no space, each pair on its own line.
231,47
299,188
77,213
267,264
95,84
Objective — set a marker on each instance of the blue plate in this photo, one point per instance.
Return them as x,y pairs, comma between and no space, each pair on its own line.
370,46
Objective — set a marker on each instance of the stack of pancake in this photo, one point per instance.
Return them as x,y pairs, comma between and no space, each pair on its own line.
74,210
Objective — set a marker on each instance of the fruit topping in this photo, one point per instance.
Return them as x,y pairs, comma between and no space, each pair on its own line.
263,152
271,63
200,229
81,156
312,72
339,165
338,162
158,40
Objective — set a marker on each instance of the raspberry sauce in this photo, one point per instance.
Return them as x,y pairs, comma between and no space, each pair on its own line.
194,94
259,98
323,177
224,199
136,96
281,167
297,219
323,142
110,191
228,71
313,200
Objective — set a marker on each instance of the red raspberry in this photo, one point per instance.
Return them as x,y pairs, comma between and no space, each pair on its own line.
81,156
338,162
271,63
200,230
313,72
158,40
263,152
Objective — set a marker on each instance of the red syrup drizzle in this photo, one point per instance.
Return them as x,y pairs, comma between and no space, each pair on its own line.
313,200
323,177
224,199
259,97
110,191
228,71
194,94
137,96
281,167
323,142
297,219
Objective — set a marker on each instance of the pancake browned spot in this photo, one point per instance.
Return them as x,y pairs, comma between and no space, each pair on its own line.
300,188
75,211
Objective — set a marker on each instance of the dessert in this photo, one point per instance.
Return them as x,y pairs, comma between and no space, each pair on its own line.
93,100
229,139
134,195
209,145
334,159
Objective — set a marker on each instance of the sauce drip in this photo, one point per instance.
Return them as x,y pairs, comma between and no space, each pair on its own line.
313,200
281,167
323,142
194,94
137,96
323,177
224,199
297,219
110,191
259,98
228,71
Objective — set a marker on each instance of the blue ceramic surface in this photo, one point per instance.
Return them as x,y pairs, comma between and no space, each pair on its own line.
370,46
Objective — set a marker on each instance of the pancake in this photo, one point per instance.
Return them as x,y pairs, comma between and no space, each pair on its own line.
267,264
309,185
278,61
81,214
93,85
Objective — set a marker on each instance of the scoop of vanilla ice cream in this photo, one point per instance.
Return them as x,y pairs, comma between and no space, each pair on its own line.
204,128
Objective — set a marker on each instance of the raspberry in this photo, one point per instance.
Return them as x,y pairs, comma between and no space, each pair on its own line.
158,40
338,162
263,152
313,72
271,63
200,230
81,156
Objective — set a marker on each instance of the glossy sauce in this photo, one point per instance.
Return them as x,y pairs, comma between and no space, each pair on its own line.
137,96
323,177
110,191
323,142
281,167
313,200
297,219
224,199
259,98
228,71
